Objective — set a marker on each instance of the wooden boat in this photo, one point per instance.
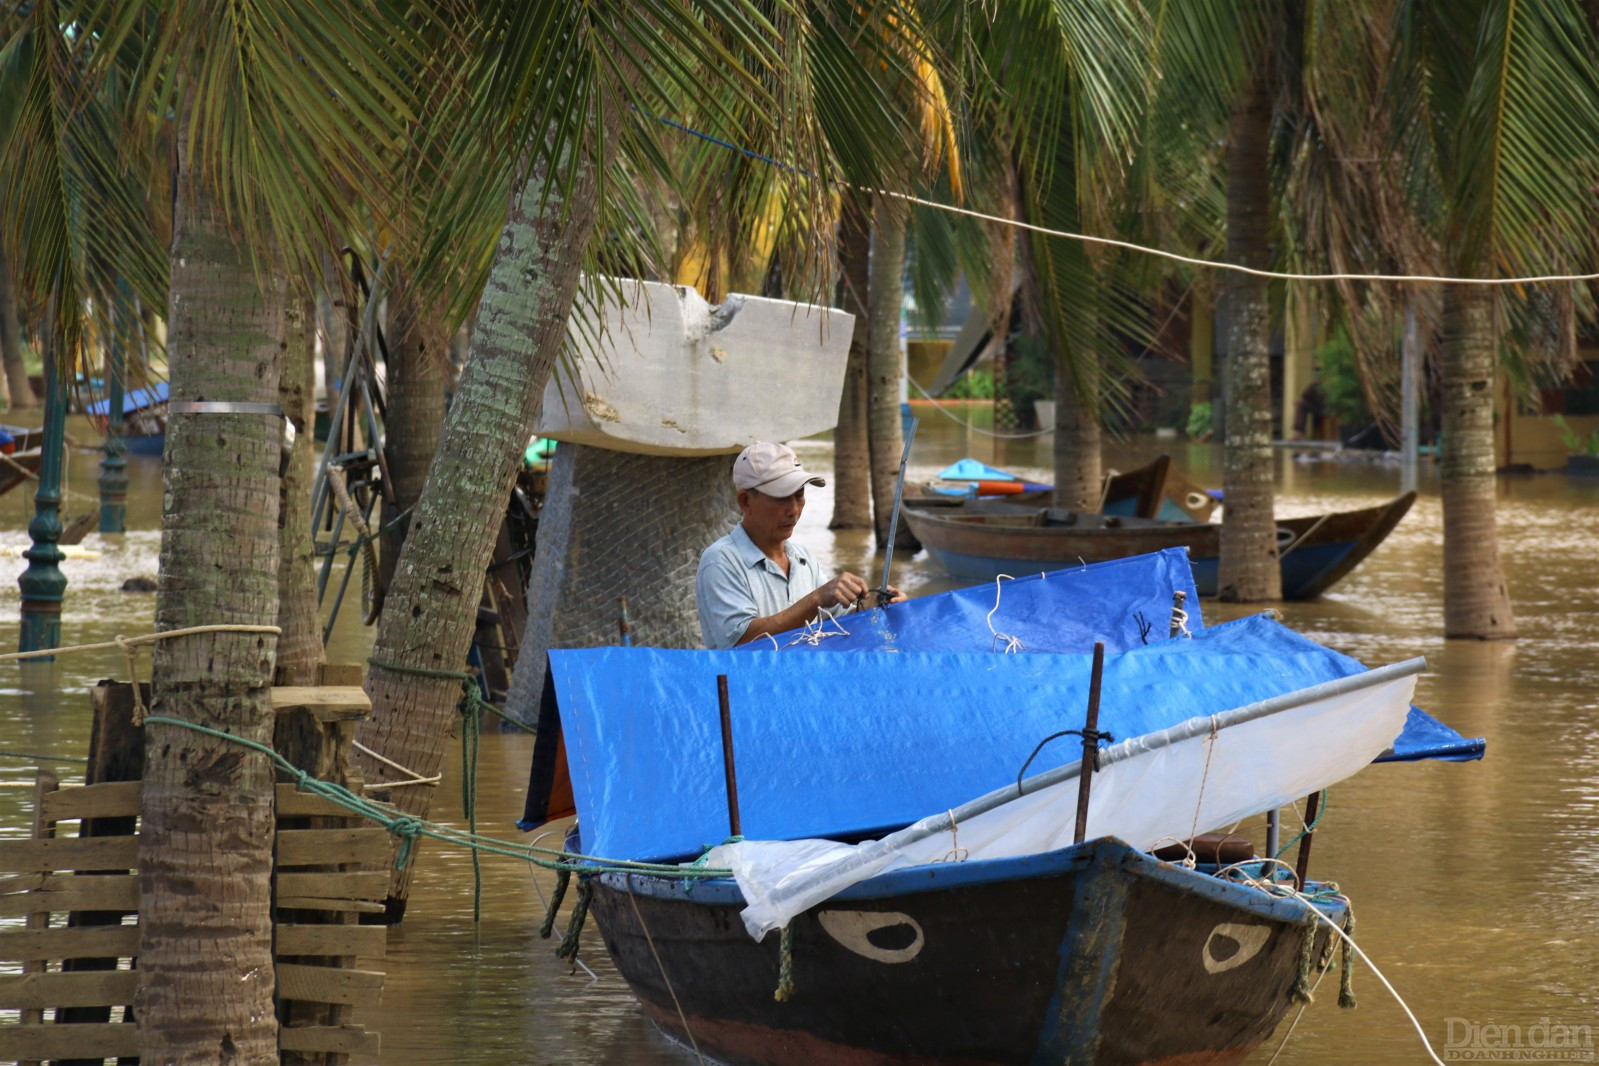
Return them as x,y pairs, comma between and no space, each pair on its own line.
1093,953
984,539
19,468
22,439
1156,490
904,946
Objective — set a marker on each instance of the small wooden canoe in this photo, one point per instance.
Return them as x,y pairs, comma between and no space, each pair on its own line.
983,539
1156,490
18,468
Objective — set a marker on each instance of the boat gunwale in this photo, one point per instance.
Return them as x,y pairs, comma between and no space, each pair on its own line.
943,876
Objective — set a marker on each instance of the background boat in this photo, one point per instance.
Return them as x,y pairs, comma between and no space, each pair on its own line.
983,539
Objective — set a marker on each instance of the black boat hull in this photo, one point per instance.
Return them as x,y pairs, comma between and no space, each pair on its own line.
1095,954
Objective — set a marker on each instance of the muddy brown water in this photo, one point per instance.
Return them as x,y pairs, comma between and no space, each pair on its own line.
1476,885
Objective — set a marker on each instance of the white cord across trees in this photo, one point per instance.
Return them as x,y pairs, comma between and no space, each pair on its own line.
1217,264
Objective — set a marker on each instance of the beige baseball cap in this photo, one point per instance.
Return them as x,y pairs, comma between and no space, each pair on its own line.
771,468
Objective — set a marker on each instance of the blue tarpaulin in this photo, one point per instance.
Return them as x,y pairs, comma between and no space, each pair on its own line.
133,400
856,743
1124,602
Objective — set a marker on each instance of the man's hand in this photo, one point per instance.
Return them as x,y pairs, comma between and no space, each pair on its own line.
842,591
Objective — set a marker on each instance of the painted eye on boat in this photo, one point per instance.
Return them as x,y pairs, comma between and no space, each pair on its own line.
883,936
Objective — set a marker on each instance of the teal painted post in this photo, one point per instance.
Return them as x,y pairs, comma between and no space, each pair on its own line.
43,584
114,467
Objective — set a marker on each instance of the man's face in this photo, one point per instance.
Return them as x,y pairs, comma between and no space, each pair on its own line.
770,519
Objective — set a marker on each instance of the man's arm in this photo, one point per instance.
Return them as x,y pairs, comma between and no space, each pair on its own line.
842,591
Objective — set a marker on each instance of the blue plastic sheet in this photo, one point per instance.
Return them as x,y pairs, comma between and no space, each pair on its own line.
1124,602
133,400
856,743
1119,602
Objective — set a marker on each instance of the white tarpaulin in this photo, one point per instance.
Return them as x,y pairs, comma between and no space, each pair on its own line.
1195,777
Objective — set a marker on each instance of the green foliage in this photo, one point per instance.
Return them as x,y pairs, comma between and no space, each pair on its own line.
1030,374
1200,420
1575,445
1338,372
975,384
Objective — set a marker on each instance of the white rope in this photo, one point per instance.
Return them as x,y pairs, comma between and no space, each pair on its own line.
1274,888
414,777
813,635
1210,749
1215,264
1012,644
975,429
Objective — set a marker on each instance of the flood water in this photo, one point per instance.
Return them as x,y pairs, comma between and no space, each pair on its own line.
1476,885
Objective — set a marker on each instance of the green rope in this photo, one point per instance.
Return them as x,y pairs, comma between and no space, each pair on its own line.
1346,976
410,829
574,927
1321,812
471,708
1300,992
562,879
785,965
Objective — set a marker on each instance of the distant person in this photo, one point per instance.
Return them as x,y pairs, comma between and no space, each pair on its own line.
1309,410
756,581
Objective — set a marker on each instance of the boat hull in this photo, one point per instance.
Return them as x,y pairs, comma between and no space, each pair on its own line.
988,540
1096,953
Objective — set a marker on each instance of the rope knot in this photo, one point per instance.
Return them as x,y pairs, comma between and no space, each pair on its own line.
409,830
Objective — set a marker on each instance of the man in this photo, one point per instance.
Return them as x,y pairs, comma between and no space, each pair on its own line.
755,581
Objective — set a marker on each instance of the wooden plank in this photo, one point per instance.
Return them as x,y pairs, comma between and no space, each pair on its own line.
105,988
370,941
115,799
354,884
44,783
71,853
330,1039
340,674
329,703
109,1040
292,803
318,847
88,942
317,903
57,893
323,984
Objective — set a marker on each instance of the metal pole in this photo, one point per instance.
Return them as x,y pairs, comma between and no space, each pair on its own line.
1178,615
1409,412
1274,830
727,757
114,467
1085,773
893,525
1302,867
43,584
623,626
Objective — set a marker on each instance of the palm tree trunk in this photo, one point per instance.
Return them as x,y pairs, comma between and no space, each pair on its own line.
300,645
520,330
883,360
1249,571
1476,601
418,372
205,845
1078,467
852,471
19,390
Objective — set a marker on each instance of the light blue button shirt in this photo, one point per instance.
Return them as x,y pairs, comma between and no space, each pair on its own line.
737,584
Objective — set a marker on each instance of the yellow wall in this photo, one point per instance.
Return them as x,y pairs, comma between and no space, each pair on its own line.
1536,440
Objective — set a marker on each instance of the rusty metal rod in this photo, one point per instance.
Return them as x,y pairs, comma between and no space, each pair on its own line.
1085,776
1302,867
727,756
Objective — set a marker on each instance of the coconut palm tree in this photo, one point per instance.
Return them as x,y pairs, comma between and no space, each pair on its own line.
1497,123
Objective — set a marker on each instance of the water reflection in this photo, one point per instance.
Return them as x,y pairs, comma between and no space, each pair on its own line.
1475,884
